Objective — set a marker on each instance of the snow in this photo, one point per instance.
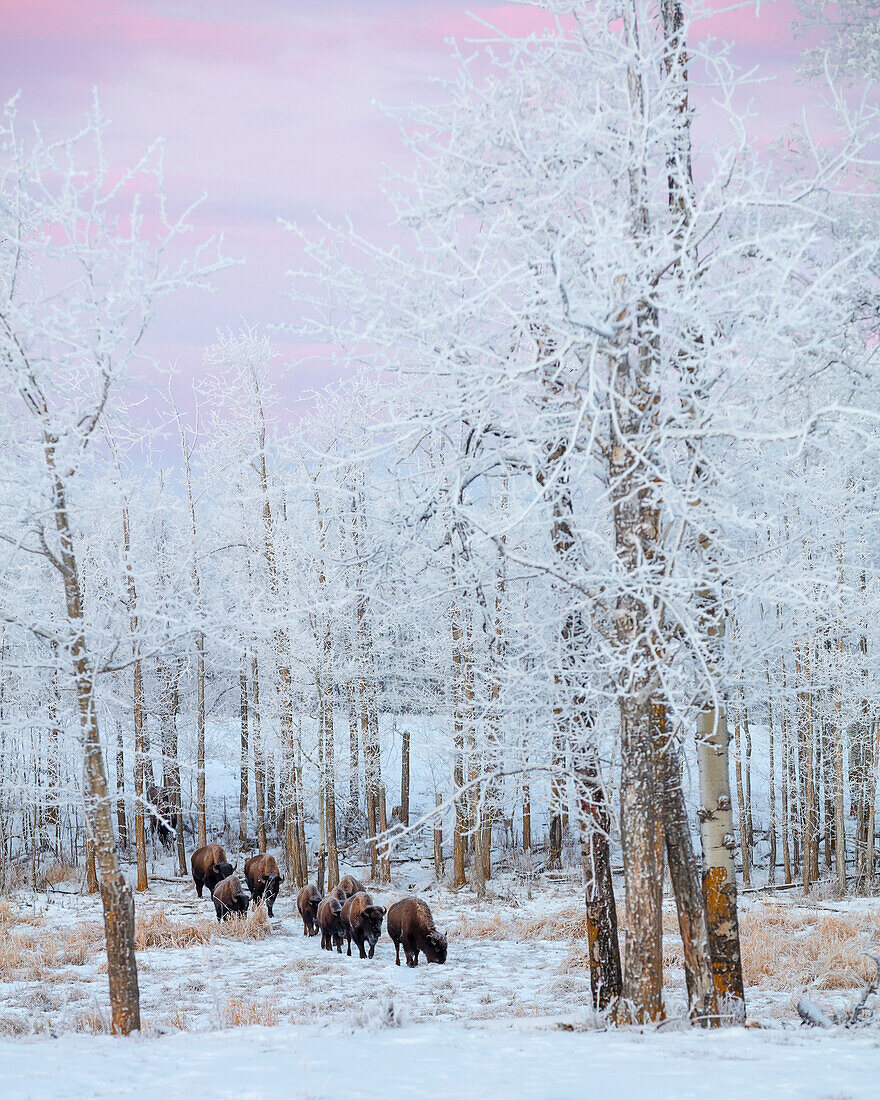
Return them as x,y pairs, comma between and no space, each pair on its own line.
444,1060
506,1016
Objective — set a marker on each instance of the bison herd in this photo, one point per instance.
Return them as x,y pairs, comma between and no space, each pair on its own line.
347,912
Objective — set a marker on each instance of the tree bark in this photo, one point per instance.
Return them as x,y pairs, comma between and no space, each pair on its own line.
685,875
116,895
244,754
259,776
719,876
439,871
404,777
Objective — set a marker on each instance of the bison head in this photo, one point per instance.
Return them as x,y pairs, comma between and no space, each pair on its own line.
435,947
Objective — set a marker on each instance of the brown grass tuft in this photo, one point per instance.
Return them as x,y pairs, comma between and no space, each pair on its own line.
93,1021
59,872
156,930
243,1012
784,948
565,924
255,926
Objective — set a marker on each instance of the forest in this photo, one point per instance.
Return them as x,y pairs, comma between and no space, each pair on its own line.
557,608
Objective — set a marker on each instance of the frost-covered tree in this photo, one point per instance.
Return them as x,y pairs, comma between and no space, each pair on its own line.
638,336
87,251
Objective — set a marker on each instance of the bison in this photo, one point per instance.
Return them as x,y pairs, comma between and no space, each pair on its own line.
163,819
331,924
263,879
350,886
410,923
363,922
307,902
230,898
209,867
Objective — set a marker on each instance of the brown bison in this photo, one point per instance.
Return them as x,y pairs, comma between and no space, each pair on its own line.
263,879
163,819
363,922
410,923
331,924
209,866
350,886
230,898
307,902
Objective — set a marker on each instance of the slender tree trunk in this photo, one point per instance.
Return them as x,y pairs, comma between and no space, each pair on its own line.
439,871
459,836
404,777
526,814
169,676
771,785
121,824
259,777
140,838
244,761
719,876
116,895
685,876
595,828
743,817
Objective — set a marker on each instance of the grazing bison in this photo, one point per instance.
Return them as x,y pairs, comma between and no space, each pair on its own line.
209,866
263,879
163,819
410,923
363,922
307,902
331,924
230,898
350,886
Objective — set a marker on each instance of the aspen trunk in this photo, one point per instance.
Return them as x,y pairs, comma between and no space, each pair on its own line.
719,877
244,762
743,818
685,876
459,836
595,828
116,895
259,777
404,777
526,814
140,838
439,870
771,782
121,824
169,673
201,822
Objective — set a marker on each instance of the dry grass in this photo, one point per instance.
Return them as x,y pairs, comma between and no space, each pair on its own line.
255,926
93,1021
785,949
60,872
179,1020
797,949
565,924
157,930
243,1012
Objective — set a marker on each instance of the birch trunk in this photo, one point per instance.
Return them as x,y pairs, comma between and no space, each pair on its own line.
259,770
719,876
116,895
244,754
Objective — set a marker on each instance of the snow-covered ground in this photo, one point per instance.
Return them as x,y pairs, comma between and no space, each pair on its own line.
506,1016
435,1061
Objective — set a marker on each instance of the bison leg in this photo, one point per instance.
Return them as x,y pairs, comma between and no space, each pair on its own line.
348,938
412,954
397,952
372,950
199,886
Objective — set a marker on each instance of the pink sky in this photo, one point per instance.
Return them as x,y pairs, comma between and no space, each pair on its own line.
265,105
